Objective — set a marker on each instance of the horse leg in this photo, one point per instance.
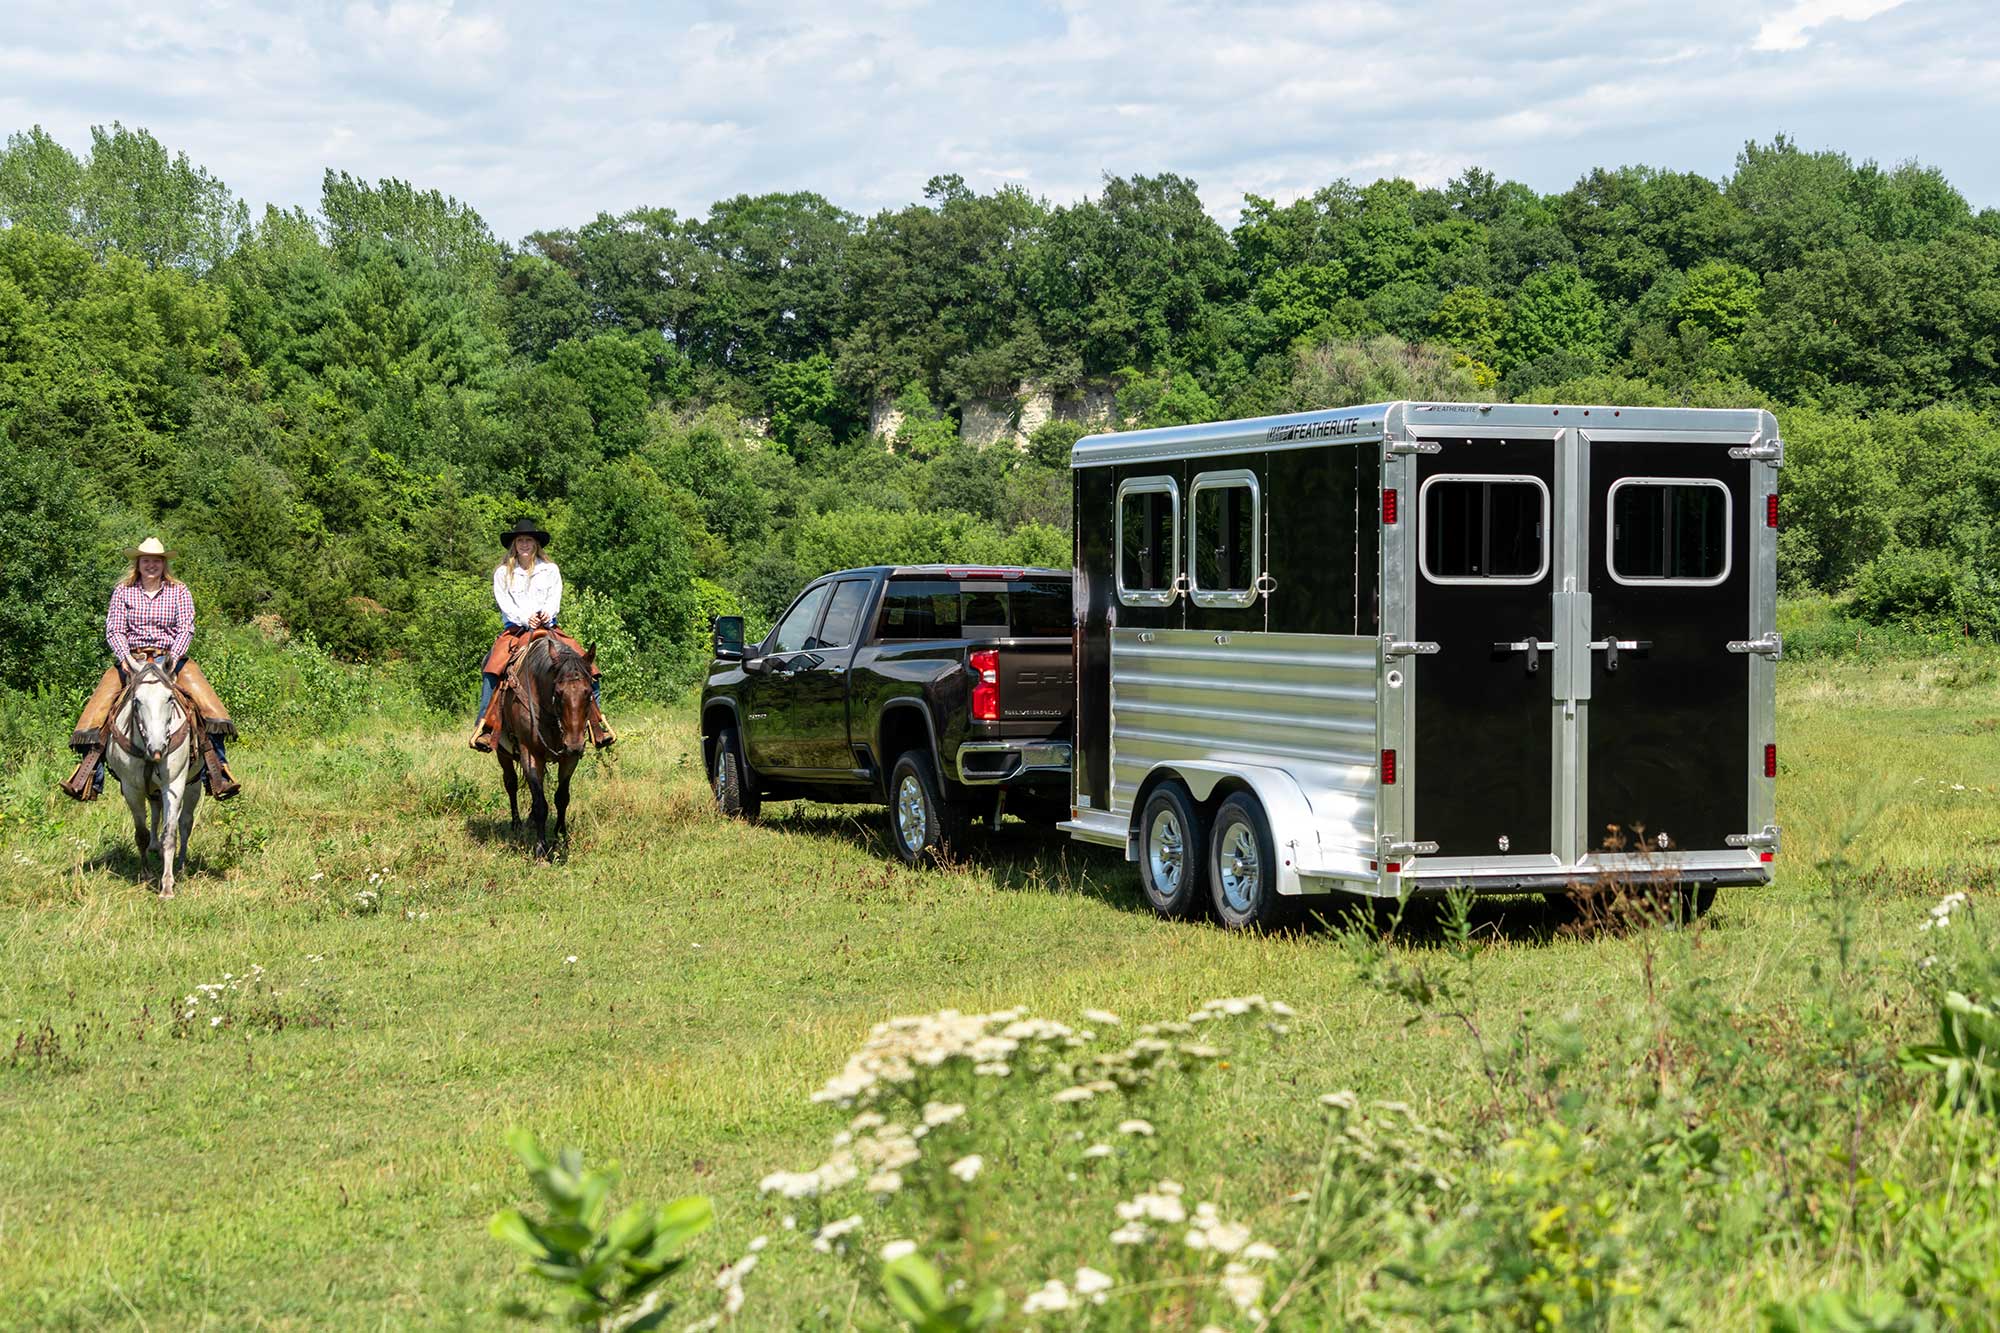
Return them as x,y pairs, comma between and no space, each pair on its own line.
190,798
538,805
563,770
512,782
135,801
166,820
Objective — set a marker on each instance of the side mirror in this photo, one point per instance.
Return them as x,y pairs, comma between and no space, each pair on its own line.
729,639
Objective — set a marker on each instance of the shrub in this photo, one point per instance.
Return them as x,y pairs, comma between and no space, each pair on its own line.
1928,591
450,630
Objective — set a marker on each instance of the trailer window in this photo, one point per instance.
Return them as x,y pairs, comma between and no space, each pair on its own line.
1669,530
1225,538
1149,541
1479,529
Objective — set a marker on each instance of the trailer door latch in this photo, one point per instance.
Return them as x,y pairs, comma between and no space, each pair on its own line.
1415,447
1774,454
1771,645
1765,841
1392,848
1406,647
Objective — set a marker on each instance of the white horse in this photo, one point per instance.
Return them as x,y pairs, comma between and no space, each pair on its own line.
153,754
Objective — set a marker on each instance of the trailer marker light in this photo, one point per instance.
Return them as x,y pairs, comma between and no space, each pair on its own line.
1389,508
986,685
1395,867
1767,857
1388,768
1770,761
1771,510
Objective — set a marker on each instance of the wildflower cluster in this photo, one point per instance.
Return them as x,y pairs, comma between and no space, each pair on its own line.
1160,1237
215,996
1940,915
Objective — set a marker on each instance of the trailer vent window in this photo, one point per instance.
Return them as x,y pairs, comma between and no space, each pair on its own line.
1670,530
1484,529
1226,537
1149,541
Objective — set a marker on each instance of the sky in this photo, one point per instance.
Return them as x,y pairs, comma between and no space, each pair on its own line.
543,115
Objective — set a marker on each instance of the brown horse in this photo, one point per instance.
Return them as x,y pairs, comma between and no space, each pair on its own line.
544,719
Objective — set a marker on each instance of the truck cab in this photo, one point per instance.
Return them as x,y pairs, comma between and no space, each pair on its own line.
942,692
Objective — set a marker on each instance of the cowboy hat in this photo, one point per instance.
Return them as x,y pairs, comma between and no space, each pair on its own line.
523,527
151,546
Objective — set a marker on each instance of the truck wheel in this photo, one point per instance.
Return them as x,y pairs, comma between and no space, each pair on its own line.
923,825
1243,868
736,796
1170,858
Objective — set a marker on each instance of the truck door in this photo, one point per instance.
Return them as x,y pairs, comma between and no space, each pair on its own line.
1481,775
1668,757
819,684
771,684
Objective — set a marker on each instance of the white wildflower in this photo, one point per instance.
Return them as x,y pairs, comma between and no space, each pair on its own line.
759,1243
1052,1297
1258,1251
898,1249
993,1069
967,1168
1072,1095
1241,1286
884,1182
942,1113
569,960
1142,1128
1101,1017
823,1240
1343,1100
1132,1233
1095,1151
1093,1285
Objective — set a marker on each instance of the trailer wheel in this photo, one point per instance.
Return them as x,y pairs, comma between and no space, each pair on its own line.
923,825
1170,852
736,795
1243,868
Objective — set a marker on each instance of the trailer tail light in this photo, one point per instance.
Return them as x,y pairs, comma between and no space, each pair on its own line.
1771,510
985,685
1388,508
1770,761
1388,768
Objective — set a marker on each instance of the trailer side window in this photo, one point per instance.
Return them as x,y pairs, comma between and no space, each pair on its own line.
1671,530
1149,541
1225,538
1484,529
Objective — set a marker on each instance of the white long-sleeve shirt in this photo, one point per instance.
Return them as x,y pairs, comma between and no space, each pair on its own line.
520,595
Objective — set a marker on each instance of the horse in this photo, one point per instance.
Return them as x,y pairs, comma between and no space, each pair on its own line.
545,718
153,754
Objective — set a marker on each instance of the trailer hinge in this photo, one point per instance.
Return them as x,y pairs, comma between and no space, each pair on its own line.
1771,645
1414,447
1765,841
1758,452
1393,647
1392,848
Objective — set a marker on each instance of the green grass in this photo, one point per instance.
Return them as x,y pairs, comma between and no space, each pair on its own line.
330,1154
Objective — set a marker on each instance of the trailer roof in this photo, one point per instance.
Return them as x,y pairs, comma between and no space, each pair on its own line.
1370,423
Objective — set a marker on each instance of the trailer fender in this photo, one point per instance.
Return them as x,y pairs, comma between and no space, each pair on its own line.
1284,801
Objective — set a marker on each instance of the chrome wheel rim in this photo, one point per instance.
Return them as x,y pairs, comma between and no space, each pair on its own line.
1240,867
912,818
1166,851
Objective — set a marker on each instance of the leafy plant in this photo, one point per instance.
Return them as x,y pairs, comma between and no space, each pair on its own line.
1966,1055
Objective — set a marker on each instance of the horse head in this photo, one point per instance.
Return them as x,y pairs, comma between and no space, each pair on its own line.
570,682
156,713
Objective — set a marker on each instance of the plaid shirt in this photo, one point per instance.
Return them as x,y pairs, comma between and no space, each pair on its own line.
164,621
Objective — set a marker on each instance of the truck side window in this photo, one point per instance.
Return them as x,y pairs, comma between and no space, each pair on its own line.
795,630
918,609
1149,541
1484,529
1672,530
843,614
1226,538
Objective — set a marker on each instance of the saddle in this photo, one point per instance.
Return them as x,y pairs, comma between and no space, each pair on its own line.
96,728
505,660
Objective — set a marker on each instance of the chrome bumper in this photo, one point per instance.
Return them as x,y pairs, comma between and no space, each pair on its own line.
984,763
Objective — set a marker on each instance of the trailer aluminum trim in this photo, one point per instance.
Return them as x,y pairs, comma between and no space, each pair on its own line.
1168,487
1640,580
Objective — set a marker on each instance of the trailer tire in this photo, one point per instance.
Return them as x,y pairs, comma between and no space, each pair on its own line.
1243,868
1170,852
736,794
924,827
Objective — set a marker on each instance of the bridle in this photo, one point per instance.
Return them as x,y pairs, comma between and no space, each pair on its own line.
125,708
562,662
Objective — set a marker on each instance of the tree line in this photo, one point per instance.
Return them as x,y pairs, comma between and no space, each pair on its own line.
331,412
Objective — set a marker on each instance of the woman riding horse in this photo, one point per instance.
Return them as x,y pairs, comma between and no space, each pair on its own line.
527,587
151,617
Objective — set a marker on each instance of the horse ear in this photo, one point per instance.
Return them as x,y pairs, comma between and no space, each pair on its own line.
590,655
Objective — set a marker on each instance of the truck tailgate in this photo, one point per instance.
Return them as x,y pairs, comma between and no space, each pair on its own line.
1037,684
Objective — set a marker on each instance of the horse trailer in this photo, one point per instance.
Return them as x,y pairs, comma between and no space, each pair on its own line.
1416,647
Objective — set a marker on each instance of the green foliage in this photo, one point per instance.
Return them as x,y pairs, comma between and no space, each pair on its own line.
445,641
1556,312
1050,443
51,621
627,537
1927,590
924,431
1966,1056
610,1271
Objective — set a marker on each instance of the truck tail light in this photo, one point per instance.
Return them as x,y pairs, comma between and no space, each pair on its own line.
1771,510
1770,761
1388,768
1388,508
985,685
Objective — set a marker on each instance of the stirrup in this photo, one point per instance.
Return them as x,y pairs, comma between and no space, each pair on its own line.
82,784
482,741
222,787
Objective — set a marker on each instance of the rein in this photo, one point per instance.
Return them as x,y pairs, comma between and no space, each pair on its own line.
529,688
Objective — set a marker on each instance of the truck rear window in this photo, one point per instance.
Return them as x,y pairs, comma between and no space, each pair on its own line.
942,609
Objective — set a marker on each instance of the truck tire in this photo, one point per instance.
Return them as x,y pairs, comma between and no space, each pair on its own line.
1243,868
924,827
1170,852
736,794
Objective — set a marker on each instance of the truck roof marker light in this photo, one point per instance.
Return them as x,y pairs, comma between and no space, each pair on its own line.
1389,507
1388,768
985,666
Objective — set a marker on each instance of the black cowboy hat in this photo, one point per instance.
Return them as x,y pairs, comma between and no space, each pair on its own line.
523,527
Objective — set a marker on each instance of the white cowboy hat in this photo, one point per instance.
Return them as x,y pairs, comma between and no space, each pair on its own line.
151,546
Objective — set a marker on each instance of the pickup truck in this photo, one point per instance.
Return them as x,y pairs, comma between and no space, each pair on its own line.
940,691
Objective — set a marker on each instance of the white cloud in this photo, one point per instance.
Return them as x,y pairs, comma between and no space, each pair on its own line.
1786,31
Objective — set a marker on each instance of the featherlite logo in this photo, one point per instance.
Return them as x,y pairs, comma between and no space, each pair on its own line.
1314,430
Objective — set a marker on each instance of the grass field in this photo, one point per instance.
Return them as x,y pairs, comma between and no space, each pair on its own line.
328,1153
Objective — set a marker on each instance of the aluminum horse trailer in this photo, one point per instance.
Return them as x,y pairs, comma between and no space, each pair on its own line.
1410,647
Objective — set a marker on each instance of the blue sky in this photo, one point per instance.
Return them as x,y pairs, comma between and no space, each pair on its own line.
542,114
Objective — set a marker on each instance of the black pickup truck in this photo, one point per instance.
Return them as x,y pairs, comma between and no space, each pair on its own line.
943,692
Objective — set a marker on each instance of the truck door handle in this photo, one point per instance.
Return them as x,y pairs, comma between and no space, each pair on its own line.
1534,648
1610,649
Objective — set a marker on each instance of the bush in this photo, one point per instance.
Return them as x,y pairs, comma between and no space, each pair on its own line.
449,632
1928,591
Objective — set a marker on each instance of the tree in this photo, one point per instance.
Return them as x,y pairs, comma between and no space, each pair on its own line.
1472,322
360,216
41,185
51,623
1718,298
1555,311
627,538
